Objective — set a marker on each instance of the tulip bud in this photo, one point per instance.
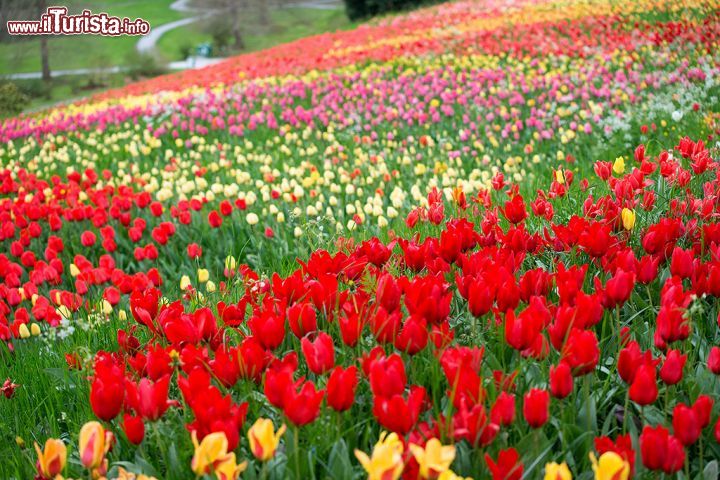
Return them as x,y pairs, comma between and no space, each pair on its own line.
134,429
51,460
619,165
561,380
93,444
203,275
24,331
628,218
263,439
536,405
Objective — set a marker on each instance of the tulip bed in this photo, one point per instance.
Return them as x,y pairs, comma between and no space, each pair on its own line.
475,240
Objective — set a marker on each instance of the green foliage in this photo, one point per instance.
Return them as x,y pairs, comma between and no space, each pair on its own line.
357,9
12,99
142,65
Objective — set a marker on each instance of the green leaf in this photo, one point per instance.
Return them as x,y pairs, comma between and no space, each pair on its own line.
339,465
711,471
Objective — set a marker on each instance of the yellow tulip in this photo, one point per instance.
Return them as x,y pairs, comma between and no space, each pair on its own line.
555,471
210,286
185,282
94,443
559,176
434,458
51,460
24,331
230,262
210,452
610,466
386,462
34,329
263,438
229,469
619,165
203,275
628,218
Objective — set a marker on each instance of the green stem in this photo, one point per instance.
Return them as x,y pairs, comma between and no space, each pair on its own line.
626,411
297,453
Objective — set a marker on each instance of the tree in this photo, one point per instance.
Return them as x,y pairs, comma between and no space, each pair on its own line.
229,13
44,56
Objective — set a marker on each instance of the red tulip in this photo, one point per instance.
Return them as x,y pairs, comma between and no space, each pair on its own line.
686,426
107,390
148,399
472,425
503,410
413,336
703,409
661,451
194,251
398,414
134,429
252,359
303,405
302,319
214,219
681,263
515,210
536,407
279,382
619,288
388,292
581,351
88,239
387,376
561,380
507,467
319,353
341,388
671,371
713,360
644,389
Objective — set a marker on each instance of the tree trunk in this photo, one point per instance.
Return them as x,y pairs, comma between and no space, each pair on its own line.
236,30
263,12
44,56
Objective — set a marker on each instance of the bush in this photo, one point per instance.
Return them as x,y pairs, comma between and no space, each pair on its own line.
358,9
12,99
142,65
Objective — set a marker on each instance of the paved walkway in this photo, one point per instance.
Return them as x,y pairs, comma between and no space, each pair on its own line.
147,43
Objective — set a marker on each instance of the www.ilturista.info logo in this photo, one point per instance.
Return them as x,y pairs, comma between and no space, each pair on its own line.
56,21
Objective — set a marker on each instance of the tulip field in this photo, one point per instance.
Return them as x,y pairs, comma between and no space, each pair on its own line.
475,240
